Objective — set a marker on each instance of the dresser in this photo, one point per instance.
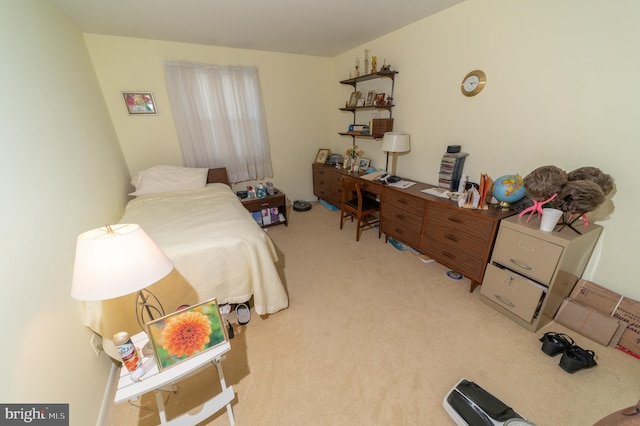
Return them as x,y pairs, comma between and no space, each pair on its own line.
461,239
531,272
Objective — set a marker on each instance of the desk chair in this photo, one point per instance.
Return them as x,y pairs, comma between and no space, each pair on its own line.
355,205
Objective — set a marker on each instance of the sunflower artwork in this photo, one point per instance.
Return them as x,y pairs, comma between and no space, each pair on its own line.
186,333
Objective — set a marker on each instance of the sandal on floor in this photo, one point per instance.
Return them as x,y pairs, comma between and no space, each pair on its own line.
575,358
243,313
555,343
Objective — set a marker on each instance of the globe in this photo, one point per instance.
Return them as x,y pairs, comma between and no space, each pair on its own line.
508,189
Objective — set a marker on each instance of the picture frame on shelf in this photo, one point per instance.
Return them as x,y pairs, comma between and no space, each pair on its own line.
371,96
353,100
321,156
168,338
380,100
363,163
360,103
140,103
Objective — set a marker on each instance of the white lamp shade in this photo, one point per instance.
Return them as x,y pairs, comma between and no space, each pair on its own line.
396,142
115,261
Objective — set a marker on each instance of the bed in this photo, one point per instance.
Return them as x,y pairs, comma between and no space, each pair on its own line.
218,249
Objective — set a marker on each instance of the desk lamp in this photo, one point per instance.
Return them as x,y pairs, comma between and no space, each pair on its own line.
117,260
393,143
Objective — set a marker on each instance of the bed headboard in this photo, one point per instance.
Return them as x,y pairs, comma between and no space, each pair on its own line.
218,175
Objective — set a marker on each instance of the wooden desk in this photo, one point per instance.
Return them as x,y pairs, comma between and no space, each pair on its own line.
461,239
155,380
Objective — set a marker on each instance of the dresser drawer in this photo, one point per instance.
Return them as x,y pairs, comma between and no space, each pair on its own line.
336,187
255,204
321,182
467,264
402,200
527,255
402,224
475,241
458,218
511,291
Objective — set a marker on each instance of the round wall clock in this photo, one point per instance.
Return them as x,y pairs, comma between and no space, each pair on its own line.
473,83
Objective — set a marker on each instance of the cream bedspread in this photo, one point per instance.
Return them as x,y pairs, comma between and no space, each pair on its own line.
214,244
217,248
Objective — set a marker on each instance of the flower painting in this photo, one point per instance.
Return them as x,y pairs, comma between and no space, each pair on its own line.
140,103
186,333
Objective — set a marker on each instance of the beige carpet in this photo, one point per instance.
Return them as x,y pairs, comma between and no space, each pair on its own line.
373,336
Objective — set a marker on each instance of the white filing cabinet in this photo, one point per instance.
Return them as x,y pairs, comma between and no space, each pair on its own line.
531,272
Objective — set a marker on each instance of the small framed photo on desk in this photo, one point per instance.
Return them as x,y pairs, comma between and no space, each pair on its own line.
321,156
363,163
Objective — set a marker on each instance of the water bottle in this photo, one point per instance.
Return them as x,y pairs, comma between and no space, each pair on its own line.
261,191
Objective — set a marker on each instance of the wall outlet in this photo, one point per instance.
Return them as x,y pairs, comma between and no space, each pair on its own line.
96,344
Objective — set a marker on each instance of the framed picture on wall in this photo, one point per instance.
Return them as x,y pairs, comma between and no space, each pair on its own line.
188,332
140,103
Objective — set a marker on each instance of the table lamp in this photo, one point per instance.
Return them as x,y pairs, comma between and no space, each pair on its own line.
117,260
393,143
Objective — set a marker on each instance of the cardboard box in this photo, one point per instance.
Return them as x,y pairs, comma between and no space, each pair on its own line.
628,313
590,323
595,296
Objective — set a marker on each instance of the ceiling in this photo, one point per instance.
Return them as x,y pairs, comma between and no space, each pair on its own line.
307,27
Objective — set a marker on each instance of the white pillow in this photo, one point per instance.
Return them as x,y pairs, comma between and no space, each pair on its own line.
168,178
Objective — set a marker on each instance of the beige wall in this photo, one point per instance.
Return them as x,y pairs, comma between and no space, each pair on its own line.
560,90
294,88
62,173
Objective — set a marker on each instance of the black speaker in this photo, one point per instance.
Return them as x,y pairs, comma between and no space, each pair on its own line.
453,149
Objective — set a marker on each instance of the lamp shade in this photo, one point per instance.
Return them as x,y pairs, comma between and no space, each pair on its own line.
396,142
113,261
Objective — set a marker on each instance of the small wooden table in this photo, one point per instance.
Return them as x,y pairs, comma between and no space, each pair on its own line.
155,380
277,200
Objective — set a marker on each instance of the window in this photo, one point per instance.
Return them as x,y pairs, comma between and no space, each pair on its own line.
219,116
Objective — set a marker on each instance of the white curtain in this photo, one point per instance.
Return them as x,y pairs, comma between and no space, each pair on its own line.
219,116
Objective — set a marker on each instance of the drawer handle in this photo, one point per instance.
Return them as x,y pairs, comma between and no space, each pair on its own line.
455,219
520,264
400,216
449,255
504,300
452,238
399,231
402,201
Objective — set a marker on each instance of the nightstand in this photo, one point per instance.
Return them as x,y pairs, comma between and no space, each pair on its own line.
263,208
